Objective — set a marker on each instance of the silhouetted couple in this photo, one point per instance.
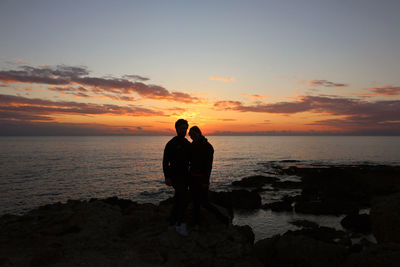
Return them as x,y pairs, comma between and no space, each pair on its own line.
187,166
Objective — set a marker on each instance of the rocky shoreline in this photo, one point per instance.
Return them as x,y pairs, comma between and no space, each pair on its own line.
119,232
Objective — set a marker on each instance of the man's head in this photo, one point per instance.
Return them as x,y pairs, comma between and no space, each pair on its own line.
181,127
195,133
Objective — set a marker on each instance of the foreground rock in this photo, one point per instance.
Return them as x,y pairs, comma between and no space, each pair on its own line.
116,232
298,249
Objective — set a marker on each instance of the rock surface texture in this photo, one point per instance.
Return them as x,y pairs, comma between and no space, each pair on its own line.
115,232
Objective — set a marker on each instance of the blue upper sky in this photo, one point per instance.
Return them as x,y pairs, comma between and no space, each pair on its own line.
270,48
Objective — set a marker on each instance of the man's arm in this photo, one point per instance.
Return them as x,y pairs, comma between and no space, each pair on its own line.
166,169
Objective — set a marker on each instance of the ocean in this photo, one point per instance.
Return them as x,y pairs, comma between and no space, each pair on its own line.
42,170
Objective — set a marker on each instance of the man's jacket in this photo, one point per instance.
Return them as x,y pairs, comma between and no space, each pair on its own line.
176,160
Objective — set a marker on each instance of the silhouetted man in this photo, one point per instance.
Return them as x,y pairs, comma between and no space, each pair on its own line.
176,172
201,160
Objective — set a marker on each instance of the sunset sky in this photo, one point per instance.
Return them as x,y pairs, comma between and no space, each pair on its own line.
230,67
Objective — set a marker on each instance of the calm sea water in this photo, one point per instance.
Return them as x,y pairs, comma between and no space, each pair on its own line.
42,170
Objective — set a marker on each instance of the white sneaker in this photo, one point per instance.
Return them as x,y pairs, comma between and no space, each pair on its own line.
181,229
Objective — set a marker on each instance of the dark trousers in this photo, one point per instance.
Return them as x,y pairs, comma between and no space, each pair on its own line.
180,203
200,199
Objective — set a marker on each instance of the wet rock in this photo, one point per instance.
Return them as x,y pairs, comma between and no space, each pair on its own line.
256,181
385,218
358,223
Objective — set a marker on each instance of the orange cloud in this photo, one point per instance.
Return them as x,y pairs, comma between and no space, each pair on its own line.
222,79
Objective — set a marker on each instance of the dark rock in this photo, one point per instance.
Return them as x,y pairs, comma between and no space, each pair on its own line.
265,250
256,181
278,206
325,234
122,203
114,232
287,185
298,250
49,256
304,223
349,184
361,245
382,255
385,218
325,207
236,199
359,223
286,204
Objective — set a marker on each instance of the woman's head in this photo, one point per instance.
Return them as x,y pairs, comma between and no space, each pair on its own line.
195,133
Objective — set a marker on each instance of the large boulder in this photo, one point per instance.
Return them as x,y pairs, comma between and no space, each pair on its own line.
385,218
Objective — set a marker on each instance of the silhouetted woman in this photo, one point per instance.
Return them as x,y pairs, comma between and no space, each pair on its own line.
201,160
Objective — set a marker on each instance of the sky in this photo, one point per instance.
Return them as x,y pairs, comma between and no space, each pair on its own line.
230,67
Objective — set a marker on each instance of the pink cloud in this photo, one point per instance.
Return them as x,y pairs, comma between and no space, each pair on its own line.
324,83
68,76
21,108
387,90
